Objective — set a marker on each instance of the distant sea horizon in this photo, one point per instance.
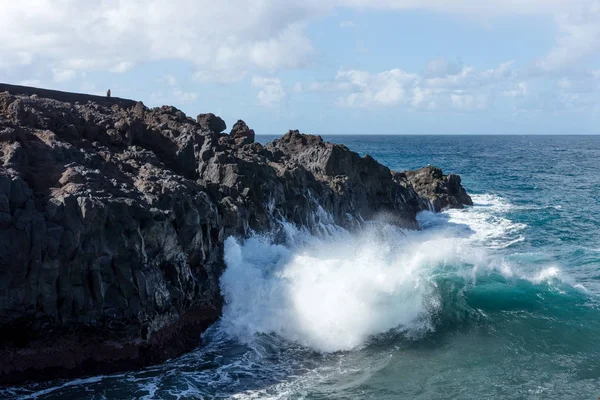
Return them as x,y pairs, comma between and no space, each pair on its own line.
436,134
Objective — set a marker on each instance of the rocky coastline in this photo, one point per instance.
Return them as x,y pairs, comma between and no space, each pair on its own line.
113,217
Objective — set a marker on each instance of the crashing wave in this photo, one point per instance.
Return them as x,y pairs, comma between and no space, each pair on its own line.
334,290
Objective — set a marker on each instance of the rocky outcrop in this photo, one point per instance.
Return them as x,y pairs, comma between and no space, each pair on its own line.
442,191
360,186
241,133
210,122
113,218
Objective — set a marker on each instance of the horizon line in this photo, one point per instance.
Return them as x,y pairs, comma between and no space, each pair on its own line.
436,134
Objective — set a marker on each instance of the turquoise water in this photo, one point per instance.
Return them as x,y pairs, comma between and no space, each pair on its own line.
500,300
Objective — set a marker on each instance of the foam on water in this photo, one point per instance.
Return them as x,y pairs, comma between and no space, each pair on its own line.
488,223
333,292
326,293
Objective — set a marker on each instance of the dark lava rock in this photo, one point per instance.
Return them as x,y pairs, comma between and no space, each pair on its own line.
113,218
241,133
211,122
443,191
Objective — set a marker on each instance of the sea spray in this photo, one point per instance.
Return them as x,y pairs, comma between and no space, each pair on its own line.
515,320
329,293
334,290
383,293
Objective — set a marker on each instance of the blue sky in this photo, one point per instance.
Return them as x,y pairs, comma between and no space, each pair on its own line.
324,67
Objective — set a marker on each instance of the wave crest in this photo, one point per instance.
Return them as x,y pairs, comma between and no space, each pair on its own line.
333,292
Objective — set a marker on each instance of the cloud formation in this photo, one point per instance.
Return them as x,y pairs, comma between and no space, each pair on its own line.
442,87
226,39
231,36
579,37
60,41
271,92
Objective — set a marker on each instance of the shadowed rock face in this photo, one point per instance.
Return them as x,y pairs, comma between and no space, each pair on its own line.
241,133
113,217
441,190
211,123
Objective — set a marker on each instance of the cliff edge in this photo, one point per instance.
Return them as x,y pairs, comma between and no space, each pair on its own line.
113,218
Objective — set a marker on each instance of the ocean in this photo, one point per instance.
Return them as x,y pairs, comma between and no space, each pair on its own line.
497,301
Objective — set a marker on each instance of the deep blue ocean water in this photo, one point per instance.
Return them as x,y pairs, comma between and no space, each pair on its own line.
500,300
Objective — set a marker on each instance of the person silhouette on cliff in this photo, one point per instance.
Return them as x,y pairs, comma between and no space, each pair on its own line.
108,93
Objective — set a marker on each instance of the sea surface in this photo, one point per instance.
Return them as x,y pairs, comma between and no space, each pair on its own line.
497,301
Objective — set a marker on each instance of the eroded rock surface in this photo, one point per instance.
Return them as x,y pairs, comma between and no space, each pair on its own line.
442,191
113,217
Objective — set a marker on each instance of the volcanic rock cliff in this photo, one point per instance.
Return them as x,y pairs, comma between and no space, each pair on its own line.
113,217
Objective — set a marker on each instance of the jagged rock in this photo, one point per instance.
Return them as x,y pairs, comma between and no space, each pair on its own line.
443,191
241,133
361,185
211,122
113,218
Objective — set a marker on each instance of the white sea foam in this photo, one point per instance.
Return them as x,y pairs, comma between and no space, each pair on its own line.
326,293
488,222
332,292
73,383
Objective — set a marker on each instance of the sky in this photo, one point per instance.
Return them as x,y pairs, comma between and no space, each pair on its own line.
323,66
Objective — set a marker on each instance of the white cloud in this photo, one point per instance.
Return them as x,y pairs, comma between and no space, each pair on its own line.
383,89
231,40
121,67
271,91
225,40
579,38
464,101
520,90
235,35
462,90
474,7
290,49
446,88
578,93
